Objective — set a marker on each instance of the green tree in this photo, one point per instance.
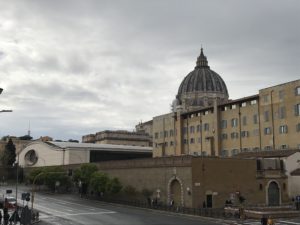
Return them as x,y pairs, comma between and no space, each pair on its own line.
26,137
8,157
99,182
84,173
114,186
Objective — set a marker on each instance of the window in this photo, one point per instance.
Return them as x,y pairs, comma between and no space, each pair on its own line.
171,143
192,129
224,136
199,140
266,115
281,112
297,110
192,141
233,106
234,135
268,148
298,127
184,130
253,102
267,130
244,104
297,90
281,94
266,98
161,134
234,151
156,135
244,133
234,122
244,120
171,133
283,129
245,150
166,133
224,153
184,141
166,144
224,124
255,119
206,127
198,128
255,149
283,146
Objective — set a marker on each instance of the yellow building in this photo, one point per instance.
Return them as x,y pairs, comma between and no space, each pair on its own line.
205,122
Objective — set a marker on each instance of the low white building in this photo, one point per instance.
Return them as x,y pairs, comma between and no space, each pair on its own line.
39,154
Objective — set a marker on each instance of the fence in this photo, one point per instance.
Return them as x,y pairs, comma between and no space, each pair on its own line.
206,212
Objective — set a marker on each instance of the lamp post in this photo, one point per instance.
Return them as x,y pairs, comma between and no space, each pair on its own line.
5,110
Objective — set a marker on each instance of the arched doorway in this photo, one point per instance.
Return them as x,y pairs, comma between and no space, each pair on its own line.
273,194
175,192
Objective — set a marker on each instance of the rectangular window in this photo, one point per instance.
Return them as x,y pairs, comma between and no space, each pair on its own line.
206,127
266,98
234,122
268,148
266,116
184,141
283,129
283,146
161,134
297,110
281,94
224,124
198,128
281,112
267,130
171,143
244,120
184,130
244,104
224,136
233,106
156,135
192,129
234,135
224,153
298,127
171,133
166,133
192,141
234,151
297,91
255,119
253,102
244,134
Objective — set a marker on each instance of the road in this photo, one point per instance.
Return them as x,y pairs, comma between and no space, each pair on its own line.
63,209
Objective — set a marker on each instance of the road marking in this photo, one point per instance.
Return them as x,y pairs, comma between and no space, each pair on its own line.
89,213
289,222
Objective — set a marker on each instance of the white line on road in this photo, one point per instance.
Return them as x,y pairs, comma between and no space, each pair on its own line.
289,222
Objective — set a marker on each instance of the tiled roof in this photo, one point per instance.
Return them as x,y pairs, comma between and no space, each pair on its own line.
267,154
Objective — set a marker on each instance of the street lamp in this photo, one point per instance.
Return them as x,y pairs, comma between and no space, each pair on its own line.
6,110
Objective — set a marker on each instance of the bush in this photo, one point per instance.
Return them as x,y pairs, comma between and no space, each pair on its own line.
98,182
130,190
114,186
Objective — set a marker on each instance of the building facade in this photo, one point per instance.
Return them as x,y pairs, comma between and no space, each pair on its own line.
208,123
119,137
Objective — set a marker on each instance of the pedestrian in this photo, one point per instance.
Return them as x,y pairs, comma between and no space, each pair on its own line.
264,220
270,221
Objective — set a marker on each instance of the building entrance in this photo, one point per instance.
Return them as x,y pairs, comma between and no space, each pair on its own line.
273,194
176,192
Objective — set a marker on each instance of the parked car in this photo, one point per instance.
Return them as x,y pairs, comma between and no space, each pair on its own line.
10,202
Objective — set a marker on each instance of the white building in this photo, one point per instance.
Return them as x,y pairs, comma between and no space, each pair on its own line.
38,153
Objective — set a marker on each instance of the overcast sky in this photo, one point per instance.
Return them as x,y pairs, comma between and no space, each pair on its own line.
77,67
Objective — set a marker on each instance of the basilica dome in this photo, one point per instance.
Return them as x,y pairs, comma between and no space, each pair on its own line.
201,87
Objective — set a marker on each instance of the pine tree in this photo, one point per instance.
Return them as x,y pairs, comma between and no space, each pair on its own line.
9,155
